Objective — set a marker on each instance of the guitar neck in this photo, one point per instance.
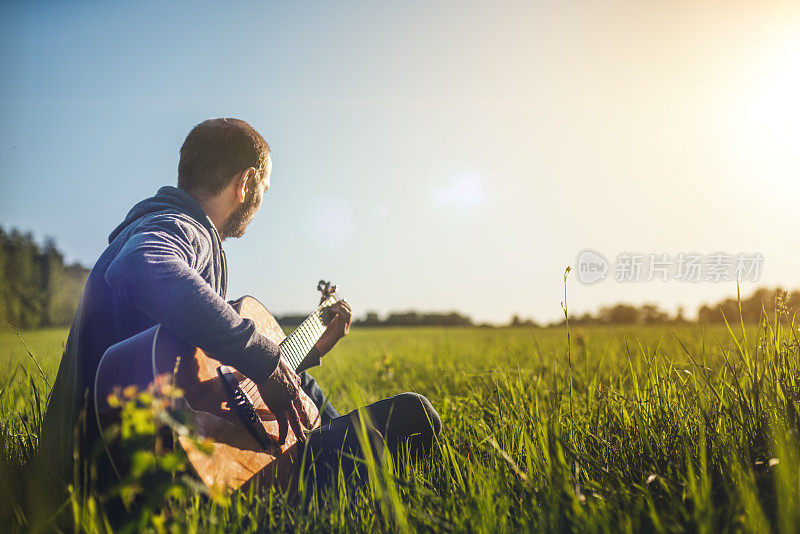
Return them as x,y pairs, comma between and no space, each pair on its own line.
298,344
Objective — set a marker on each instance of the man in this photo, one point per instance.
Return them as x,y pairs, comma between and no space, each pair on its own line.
165,264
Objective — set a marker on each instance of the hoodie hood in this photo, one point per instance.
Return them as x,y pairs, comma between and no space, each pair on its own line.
168,199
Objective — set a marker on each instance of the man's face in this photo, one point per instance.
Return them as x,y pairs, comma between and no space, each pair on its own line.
243,215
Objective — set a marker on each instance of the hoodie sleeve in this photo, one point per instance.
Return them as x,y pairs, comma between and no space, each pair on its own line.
155,272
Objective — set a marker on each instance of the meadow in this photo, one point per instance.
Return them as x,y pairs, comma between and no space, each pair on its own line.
603,429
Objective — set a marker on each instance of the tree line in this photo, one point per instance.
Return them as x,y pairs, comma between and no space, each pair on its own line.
761,301
404,318
37,288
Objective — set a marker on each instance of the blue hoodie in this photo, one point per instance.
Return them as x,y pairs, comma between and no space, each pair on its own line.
164,264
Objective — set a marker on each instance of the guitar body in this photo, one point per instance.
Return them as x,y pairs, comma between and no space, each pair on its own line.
236,456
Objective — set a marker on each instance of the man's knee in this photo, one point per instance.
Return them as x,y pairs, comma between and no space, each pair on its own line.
419,413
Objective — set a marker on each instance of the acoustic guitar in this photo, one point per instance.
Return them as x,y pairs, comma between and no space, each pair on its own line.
224,407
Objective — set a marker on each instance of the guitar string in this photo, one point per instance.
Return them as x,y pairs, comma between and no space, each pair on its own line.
288,348
306,338
300,342
310,329
291,343
248,388
301,338
300,347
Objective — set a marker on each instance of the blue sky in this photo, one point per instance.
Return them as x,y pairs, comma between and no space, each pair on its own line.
430,156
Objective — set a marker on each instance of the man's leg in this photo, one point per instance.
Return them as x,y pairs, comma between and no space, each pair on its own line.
335,447
312,389
407,418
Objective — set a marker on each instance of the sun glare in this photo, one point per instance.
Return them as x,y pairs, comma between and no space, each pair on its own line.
771,121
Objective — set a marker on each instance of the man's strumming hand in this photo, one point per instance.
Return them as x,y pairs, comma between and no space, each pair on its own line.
337,328
281,394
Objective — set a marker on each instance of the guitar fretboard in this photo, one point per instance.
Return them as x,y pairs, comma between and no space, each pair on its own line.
297,344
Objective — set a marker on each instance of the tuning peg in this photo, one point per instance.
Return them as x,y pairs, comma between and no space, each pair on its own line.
326,288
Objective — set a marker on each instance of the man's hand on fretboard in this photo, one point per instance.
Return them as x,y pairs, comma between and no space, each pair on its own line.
338,327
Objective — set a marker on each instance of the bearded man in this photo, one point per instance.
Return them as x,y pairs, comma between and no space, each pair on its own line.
164,264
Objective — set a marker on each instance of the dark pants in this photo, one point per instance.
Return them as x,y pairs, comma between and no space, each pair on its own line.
405,420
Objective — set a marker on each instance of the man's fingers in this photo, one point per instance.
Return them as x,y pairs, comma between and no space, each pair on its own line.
294,420
342,305
283,426
339,324
339,306
342,313
305,419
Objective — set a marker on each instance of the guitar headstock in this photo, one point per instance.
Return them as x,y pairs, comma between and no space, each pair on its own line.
328,290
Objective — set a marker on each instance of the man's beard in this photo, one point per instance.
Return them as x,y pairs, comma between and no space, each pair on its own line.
236,223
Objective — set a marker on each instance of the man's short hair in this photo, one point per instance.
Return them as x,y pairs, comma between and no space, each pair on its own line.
215,151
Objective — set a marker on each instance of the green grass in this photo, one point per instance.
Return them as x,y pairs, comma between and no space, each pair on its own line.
632,429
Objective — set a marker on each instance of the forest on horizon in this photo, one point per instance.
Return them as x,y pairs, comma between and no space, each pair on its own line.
38,289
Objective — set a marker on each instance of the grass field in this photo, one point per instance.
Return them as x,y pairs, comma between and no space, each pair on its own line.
626,429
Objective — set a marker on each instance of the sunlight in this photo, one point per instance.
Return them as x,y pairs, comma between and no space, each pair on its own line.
771,120
463,191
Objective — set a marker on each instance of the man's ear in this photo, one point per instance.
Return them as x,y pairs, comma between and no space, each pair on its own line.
243,182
